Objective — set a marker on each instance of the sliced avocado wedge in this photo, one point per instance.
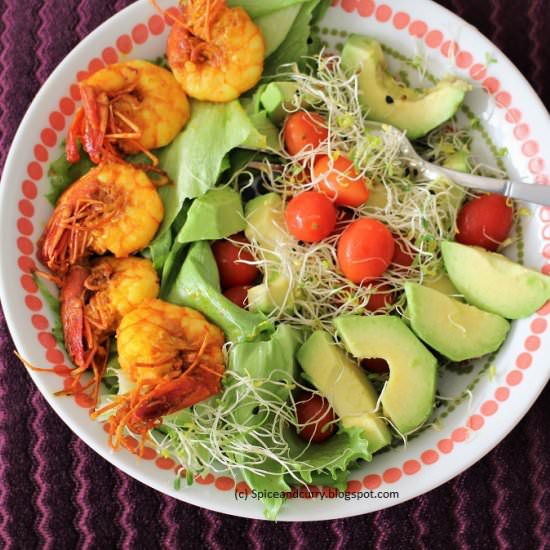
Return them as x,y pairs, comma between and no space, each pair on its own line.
493,282
408,398
386,100
345,386
265,224
459,161
275,97
442,283
456,330
271,294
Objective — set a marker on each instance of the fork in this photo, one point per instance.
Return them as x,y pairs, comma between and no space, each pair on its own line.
528,192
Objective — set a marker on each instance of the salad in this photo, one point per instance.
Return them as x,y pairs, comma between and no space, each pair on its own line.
250,277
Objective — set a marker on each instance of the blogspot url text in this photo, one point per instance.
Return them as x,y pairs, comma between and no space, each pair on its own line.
321,494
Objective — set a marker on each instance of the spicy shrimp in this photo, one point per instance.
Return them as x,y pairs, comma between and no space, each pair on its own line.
216,52
135,106
174,357
93,301
113,208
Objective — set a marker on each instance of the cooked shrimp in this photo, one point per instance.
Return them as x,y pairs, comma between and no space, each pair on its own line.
113,208
137,105
93,301
216,52
174,357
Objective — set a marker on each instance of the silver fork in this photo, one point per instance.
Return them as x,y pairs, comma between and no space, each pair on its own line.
528,192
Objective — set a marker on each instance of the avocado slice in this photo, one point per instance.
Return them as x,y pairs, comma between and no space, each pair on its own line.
456,330
442,283
265,223
275,97
270,294
346,387
459,161
408,398
493,282
388,101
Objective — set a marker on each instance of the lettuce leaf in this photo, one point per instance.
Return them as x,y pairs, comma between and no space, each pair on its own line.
55,308
215,215
332,457
62,173
275,26
197,285
258,360
327,463
296,44
258,9
195,160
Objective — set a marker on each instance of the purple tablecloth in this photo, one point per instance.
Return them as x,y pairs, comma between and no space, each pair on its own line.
57,493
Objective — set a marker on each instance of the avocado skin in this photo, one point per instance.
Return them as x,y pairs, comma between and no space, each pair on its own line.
456,330
493,282
409,395
345,385
387,101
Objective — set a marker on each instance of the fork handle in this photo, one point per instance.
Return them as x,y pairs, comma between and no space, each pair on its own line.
528,192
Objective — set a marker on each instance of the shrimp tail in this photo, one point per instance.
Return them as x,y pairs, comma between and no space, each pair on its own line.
72,313
172,396
75,133
53,245
96,116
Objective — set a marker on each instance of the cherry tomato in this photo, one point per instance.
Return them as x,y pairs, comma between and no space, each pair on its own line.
404,254
310,216
229,258
340,181
380,300
365,250
485,221
379,366
316,412
238,295
304,129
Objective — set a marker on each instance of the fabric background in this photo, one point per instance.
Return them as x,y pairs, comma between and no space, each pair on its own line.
57,493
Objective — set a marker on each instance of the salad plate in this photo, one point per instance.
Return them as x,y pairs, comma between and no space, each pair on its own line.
479,405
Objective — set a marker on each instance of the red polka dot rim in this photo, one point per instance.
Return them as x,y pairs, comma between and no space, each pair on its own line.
463,436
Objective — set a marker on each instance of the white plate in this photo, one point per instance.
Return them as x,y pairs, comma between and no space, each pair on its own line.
502,394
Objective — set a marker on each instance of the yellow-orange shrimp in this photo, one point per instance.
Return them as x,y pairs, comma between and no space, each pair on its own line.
216,52
136,105
174,357
113,208
93,301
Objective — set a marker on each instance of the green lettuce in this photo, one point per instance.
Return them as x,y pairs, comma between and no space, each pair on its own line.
275,26
265,135
55,308
258,9
197,285
324,464
257,360
168,260
197,157
194,160
297,43
331,458
215,215
62,173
